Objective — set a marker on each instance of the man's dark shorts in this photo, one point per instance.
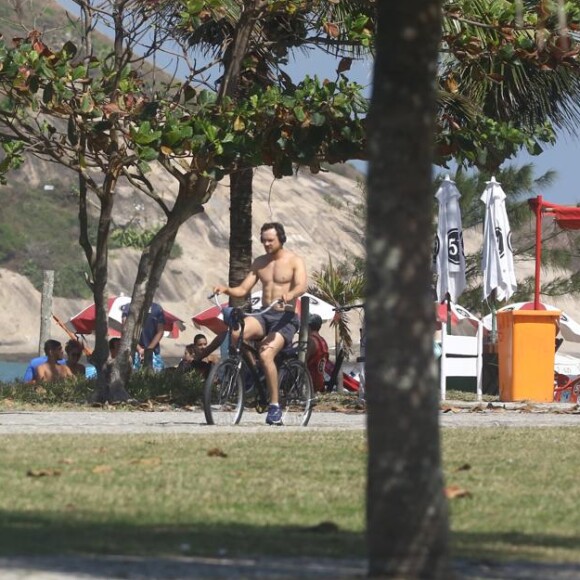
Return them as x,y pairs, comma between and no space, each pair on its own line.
284,323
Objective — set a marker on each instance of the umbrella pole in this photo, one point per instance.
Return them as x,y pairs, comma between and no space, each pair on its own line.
448,301
538,252
493,307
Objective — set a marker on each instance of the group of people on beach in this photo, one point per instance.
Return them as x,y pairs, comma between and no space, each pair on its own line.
53,366
282,274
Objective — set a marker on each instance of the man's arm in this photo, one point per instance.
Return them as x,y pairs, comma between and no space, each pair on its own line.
158,336
299,281
243,289
213,345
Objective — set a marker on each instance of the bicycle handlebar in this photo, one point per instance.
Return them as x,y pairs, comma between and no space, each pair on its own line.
214,296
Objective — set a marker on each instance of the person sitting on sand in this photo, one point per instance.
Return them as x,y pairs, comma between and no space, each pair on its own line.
194,357
30,373
51,370
74,351
187,359
114,346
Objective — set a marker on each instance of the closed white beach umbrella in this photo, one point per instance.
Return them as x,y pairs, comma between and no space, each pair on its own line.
449,253
498,261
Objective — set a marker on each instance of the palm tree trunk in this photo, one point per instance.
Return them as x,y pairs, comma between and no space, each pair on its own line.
240,226
406,507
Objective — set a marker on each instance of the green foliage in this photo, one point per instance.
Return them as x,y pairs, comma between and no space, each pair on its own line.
340,285
505,81
316,121
134,237
169,386
332,201
176,252
71,392
36,228
11,241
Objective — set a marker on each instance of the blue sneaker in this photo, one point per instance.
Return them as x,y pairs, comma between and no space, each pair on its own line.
274,416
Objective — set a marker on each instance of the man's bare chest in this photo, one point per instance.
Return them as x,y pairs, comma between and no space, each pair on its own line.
278,272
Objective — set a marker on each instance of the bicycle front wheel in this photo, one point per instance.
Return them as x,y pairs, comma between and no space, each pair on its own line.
223,396
296,393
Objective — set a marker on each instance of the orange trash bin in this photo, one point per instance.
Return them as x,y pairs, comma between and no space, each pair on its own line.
526,354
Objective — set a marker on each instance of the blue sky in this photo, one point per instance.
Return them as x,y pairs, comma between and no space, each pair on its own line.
563,158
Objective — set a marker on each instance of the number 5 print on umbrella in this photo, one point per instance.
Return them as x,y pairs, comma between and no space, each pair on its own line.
449,253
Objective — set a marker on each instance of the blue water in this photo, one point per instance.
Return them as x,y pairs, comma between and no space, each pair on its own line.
9,371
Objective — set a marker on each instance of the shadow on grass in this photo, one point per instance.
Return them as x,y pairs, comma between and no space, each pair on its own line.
45,534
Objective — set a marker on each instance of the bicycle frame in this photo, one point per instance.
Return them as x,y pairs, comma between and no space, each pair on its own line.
226,390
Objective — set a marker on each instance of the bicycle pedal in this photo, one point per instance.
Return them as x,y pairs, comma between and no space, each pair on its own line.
261,407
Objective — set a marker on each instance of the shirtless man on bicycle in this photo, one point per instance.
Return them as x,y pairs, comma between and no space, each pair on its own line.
283,277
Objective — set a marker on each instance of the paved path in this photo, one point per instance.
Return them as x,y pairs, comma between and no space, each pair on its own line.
454,415
125,422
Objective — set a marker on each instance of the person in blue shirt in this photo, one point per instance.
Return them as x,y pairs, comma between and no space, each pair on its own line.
151,335
30,372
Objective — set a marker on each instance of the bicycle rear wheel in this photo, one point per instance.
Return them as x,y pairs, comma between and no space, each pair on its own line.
223,394
296,393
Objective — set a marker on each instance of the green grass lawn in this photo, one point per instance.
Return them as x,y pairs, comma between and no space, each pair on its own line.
275,494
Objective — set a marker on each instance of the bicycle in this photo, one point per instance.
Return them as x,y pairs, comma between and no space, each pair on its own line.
237,382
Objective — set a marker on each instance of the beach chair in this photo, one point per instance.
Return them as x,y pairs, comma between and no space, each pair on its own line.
461,356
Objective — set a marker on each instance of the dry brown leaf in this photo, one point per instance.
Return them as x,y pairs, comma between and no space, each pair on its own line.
449,409
150,461
344,64
331,29
464,467
46,472
216,452
477,409
455,492
102,469
66,461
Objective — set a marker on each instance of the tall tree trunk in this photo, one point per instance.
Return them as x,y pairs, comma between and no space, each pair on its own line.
240,226
407,523
192,195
